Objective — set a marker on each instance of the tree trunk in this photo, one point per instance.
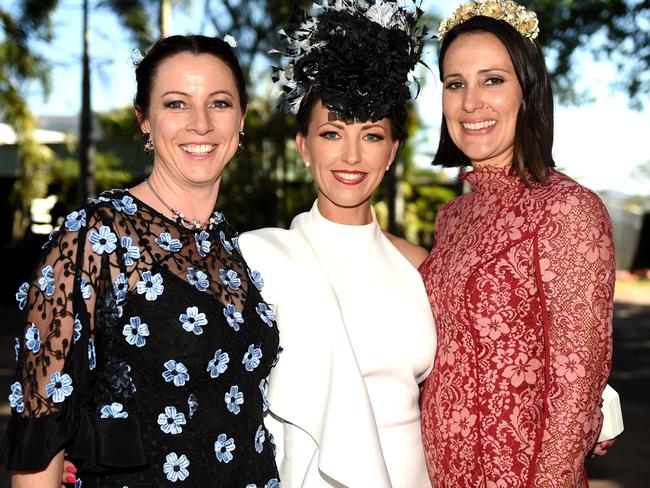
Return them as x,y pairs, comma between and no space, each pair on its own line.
165,18
86,150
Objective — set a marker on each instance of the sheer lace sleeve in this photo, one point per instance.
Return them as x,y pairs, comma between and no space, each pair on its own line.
577,269
56,355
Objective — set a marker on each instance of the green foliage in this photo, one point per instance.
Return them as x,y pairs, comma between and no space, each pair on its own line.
618,30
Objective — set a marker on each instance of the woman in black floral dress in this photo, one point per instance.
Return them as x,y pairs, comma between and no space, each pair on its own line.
147,343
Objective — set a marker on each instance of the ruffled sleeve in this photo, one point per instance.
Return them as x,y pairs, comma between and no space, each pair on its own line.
57,354
577,272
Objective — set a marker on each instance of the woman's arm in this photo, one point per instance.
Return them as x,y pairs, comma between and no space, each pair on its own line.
576,269
50,477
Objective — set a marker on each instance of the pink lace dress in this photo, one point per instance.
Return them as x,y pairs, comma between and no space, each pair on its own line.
521,284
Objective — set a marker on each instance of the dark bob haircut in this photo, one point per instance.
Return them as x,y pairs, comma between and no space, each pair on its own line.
398,117
533,145
147,68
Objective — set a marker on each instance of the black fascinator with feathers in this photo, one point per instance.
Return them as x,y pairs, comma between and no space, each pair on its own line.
358,55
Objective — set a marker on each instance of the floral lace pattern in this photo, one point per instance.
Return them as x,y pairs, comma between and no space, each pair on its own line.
144,350
520,282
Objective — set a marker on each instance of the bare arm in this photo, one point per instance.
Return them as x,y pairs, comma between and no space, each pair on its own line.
415,254
50,477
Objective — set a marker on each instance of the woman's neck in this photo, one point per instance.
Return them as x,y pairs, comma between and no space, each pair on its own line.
357,215
194,202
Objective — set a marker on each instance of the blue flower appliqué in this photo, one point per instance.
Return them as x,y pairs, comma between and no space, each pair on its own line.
193,321
103,241
218,217
219,364
260,437
202,243
120,378
46,281
17,347
274,448
21,295
251,359
75,220
120,287
224,242
125,204
273,483
86,289
234,398
256,278
230,278
113,411
151,286
265,313
176,372
171,421
135,332
16,399
130,251
223,448
233,317
176,467
76,329
198,278
33,339
92,357
59,387
235,242
165,241
53,234
193,404
264,390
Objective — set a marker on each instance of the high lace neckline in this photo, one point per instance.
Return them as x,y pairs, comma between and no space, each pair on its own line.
490,179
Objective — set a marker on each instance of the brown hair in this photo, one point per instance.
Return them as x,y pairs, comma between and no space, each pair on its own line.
532,152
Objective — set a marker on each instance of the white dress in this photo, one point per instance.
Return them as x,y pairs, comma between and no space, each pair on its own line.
358,338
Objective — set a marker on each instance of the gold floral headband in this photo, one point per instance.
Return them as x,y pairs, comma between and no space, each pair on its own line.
524,21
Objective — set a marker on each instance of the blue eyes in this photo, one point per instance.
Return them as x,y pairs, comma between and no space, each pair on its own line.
217,104
332,136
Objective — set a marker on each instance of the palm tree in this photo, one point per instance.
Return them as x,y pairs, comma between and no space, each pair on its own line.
19,64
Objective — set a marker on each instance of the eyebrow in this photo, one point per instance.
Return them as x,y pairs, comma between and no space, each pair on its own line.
178,92
481,72
339,125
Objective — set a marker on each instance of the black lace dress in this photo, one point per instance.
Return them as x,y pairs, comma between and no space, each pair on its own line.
145,354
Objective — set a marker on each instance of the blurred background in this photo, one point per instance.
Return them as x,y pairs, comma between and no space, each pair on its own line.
67,132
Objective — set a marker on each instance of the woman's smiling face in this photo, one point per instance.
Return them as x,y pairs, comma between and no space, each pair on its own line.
194,117
348,161
481,98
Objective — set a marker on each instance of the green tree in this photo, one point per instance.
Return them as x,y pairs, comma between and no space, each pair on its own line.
18,65
617,30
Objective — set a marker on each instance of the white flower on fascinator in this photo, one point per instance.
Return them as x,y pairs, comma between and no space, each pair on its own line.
136,56
230,40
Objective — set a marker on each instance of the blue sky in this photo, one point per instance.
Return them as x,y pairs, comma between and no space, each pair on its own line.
599,143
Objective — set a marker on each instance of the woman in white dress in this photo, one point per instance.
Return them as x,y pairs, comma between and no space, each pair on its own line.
354,320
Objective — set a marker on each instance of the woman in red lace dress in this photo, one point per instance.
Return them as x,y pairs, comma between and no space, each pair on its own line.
521,275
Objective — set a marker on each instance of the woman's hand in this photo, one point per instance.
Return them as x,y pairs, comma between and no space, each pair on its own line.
68,475
600,449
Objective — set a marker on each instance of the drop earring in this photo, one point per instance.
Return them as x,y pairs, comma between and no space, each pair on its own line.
148,143
240,145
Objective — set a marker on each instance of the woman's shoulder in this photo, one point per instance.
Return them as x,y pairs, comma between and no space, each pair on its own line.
415,254
563,189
